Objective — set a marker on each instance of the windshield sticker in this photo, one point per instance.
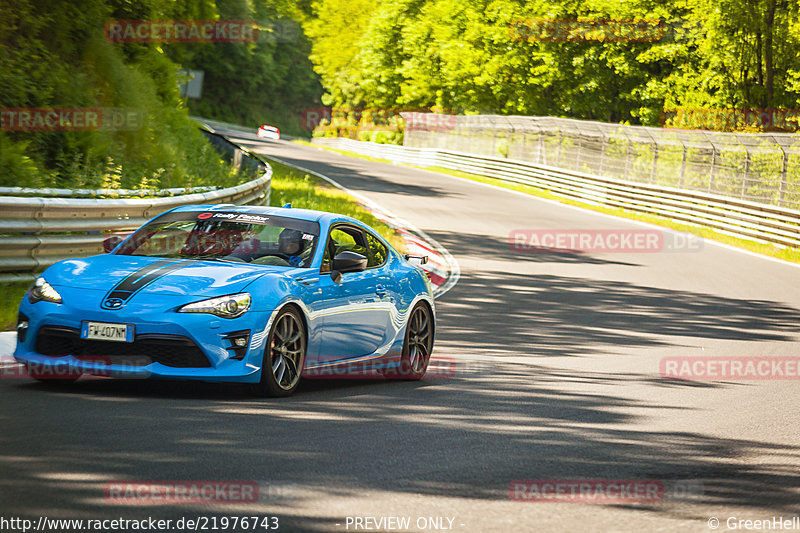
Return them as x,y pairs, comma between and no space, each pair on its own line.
246,218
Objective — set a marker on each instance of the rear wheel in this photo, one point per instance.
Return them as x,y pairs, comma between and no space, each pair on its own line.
284,355
418,344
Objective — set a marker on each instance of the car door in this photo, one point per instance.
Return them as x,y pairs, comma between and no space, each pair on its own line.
386,290
355,313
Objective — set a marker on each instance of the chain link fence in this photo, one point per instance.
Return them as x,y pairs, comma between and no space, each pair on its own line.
760,167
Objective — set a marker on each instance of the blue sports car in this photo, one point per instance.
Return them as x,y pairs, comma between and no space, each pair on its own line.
227,293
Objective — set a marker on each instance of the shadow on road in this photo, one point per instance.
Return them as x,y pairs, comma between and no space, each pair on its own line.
553,315
365,182
361,436
467,436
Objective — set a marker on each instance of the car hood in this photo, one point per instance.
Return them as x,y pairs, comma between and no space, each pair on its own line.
156,275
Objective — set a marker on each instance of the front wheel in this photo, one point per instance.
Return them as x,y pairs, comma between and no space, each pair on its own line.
284,355
418,344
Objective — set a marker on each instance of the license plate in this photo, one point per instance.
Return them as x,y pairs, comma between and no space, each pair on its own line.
105,331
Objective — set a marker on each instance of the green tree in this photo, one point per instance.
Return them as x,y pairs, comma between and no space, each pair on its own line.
336,30
475,56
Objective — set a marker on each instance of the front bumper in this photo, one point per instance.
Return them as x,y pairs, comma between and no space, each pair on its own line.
205,337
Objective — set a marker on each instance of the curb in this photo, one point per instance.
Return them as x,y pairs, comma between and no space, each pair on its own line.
8,342
442,267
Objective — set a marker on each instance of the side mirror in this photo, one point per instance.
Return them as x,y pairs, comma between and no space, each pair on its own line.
111,242
349,262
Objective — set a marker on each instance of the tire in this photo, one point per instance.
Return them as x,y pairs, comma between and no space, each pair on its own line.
284,355
417,345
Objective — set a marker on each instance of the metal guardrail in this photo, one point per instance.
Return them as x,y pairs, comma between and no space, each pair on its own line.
759,167
100,193
36,232
740,218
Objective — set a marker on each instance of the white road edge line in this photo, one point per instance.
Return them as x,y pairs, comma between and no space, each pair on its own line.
8,342
582,209
629,220
455,269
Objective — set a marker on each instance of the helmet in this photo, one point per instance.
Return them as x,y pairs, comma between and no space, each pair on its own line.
290,242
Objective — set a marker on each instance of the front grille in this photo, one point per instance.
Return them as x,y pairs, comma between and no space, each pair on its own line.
169,350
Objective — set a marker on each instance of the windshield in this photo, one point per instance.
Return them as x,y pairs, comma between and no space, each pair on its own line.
227,236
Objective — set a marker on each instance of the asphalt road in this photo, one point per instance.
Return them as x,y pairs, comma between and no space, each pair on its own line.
557,377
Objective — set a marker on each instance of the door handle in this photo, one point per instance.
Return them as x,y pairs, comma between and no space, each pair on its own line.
380,290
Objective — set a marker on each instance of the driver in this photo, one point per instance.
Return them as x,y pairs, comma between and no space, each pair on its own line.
291,244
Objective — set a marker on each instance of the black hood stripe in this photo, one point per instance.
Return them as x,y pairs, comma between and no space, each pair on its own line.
119,295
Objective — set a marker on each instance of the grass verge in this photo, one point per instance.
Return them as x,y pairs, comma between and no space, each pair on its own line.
787,254
11,294
306,191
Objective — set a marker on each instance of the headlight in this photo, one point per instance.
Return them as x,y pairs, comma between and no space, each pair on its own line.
229,306
43,291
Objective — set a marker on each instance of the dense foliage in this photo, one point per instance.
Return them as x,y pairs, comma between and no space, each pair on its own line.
463,56
53,54
486,56
270,81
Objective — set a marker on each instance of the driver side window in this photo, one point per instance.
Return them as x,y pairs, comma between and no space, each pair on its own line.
378,252
341,239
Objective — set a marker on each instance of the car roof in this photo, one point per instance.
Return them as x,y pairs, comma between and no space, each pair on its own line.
323,217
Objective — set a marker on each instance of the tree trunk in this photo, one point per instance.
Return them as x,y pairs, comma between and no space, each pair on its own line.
768,61
759,60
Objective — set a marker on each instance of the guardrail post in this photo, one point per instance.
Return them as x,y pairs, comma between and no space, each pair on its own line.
683,164
655,157
746,170
603,146
655,163
713,163
560,143
784,171
542,156
628,156
473,140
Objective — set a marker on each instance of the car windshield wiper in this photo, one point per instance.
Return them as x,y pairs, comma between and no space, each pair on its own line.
214,258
